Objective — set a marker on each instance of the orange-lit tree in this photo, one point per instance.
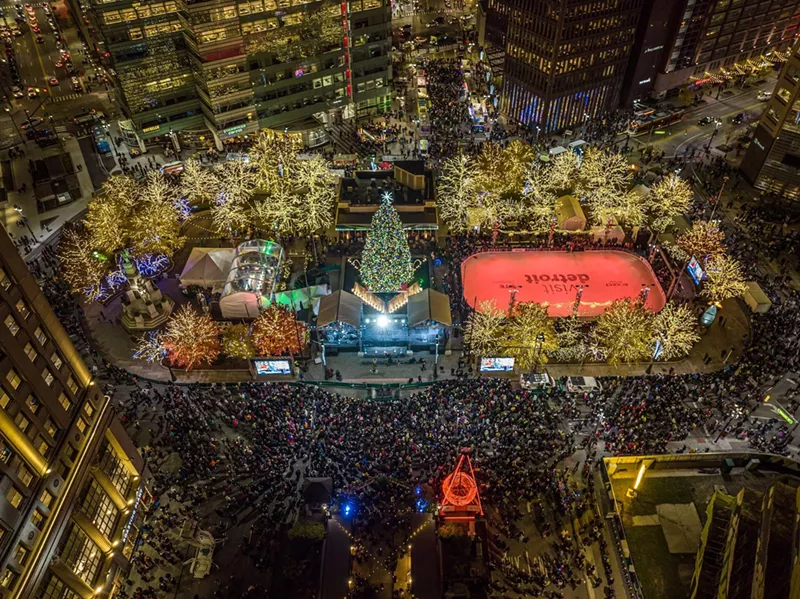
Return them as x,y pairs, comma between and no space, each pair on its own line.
276,332
191,339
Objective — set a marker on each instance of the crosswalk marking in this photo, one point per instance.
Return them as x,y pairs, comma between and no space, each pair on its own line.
65,98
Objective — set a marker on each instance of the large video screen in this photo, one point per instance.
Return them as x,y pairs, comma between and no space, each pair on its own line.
272,366
497,364
695,271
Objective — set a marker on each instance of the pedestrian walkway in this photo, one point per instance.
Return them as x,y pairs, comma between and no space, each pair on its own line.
56,99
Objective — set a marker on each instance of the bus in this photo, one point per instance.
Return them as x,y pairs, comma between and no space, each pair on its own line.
645,121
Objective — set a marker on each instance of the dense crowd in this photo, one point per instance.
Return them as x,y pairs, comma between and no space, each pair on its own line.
449,110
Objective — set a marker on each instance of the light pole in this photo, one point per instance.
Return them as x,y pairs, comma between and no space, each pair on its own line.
513,293
717,125
578,296
719,197
24,219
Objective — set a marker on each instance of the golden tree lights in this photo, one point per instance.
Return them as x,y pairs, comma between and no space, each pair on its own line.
675,327
724,279
82,267
198,183
456,192
237,342
530,335
703,241
625,331
670,197
484,328
191,339
277,332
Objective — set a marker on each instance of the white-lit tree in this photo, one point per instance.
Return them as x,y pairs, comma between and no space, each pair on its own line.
703,240
484,329
198,183
456,192
530,335
675,327
724,279
624,332
670,197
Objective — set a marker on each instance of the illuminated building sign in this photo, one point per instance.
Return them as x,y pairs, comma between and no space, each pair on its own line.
234,130
643,81
653,49
153,128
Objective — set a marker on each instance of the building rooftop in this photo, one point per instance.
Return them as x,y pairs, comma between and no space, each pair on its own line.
726,491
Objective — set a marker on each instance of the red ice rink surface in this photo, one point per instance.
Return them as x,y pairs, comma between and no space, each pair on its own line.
551,279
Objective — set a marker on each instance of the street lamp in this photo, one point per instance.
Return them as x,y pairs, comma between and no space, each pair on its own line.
717,125
24,219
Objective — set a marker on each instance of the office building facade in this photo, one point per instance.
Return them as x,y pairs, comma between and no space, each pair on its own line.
772,161
564,59
200,73
689,44
73,489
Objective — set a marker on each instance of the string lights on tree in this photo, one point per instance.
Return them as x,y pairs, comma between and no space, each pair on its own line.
456,193
675,329
191,338
670,197
198,184
277,332
724,279
624,331
83,268
530,335
703,240
484,329
386,261
237,342
150,347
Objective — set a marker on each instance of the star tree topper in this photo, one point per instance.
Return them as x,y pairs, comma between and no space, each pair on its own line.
386,261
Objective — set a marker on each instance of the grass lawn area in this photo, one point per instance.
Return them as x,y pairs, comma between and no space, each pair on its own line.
656,567
668,489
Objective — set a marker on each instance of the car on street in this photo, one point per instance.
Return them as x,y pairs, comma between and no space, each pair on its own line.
763,96
76,84
33,92
738,119
39,39
18,93
36,29
53,81
32,122
706,120
59,64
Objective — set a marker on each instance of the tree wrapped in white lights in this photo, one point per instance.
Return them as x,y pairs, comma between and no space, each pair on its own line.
230,211
484,329
624,332
198,184
603,183
539,200
674,327
670,197
703,240
562,173
530,335
456,193
82,267
572,341
724,279
128,222
294,195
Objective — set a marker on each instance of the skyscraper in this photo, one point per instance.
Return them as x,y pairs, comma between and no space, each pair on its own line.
694,43
199,73
564,59
73,487
772,162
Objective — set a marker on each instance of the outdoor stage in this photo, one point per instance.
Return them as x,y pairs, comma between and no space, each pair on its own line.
552,278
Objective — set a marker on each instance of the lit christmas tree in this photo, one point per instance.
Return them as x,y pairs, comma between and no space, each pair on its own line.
386,261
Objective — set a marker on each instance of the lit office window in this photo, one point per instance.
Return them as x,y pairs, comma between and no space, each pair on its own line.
13,378
5,280
80,554
40,336
30,352
14,497
23,309
12,325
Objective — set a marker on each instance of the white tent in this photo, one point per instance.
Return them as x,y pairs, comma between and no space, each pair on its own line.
206,267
